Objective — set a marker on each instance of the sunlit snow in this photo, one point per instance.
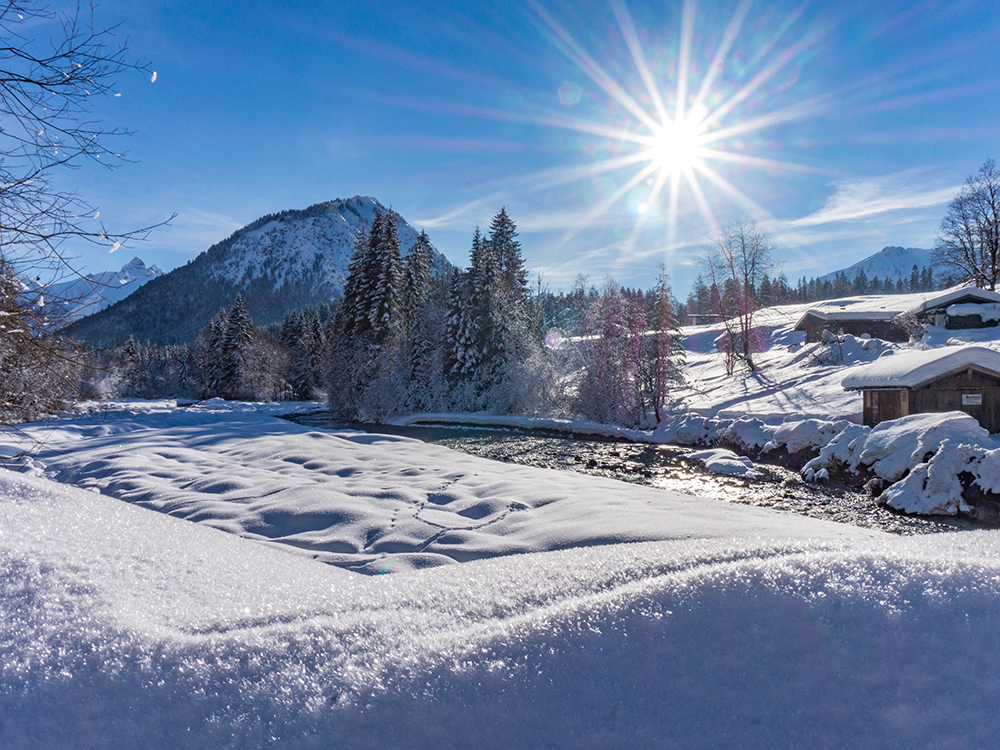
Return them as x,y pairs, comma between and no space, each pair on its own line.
631,617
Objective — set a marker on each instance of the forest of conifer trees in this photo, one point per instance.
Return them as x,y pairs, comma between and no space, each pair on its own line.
403,339
704,301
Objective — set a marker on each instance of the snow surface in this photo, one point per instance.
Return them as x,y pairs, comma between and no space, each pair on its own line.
375,503
732,627
915,368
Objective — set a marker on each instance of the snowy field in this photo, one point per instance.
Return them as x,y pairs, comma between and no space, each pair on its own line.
526,608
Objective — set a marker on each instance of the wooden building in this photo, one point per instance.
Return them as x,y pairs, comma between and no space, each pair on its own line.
964,378
960,308
858,316
966,307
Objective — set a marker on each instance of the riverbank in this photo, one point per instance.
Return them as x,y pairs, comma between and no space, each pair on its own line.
574,447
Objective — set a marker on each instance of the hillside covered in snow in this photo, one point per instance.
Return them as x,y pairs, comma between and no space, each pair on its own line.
280,262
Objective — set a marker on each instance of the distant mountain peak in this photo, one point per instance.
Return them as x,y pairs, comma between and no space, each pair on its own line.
81,296
891,262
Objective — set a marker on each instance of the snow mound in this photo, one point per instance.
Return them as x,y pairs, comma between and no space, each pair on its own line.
749,434
934,488
843,449
807,434
722,461
893,448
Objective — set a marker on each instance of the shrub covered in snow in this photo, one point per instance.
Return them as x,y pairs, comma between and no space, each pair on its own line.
893,448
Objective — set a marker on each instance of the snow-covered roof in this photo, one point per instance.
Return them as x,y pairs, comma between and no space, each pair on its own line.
951,296
887,306
914,369
880,307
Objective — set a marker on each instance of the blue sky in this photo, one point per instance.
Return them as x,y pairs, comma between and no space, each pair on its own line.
841,127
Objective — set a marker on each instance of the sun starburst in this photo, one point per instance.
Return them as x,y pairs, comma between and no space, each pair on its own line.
679,132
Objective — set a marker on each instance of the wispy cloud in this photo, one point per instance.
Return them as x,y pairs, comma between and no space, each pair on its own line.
862,199
862,215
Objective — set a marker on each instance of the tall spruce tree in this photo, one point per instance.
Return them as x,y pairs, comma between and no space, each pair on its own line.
235,345
355,286
417,277
385,301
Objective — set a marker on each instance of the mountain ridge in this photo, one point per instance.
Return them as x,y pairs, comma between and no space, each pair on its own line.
90,293
279,262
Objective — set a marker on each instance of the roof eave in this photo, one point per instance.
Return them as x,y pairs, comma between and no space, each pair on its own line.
921,383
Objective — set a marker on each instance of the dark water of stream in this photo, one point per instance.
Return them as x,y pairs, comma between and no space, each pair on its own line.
664,466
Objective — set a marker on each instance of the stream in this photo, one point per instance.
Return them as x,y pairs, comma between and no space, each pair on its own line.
665,466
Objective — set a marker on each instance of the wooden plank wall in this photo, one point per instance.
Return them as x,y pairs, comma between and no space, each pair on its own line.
946,395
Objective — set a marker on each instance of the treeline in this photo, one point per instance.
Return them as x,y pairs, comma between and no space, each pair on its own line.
404,339
706,300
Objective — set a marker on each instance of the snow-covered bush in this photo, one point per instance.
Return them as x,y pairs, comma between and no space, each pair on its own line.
806,434
842,451
894,447
934,488
748,434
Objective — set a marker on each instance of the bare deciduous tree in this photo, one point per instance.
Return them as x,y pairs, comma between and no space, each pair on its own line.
47,89
969,239
737,263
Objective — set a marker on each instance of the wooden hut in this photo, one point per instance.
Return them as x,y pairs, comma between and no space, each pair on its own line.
965,307
963,378
858,316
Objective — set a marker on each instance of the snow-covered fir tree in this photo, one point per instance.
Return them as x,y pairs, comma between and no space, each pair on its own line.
235,345
385,302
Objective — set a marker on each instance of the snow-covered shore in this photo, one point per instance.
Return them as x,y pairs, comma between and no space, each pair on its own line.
631,617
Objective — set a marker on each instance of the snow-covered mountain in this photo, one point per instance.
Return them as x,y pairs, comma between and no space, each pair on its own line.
890,262
85,295
278,263
295,247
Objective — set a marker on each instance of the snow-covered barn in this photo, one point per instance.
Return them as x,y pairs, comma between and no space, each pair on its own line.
962,378
967,307
858,316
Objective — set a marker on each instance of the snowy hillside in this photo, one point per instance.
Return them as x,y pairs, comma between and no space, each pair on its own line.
796,379
79,297
888,263
278,263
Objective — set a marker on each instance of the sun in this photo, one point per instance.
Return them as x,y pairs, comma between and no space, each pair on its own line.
676,147
682,125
